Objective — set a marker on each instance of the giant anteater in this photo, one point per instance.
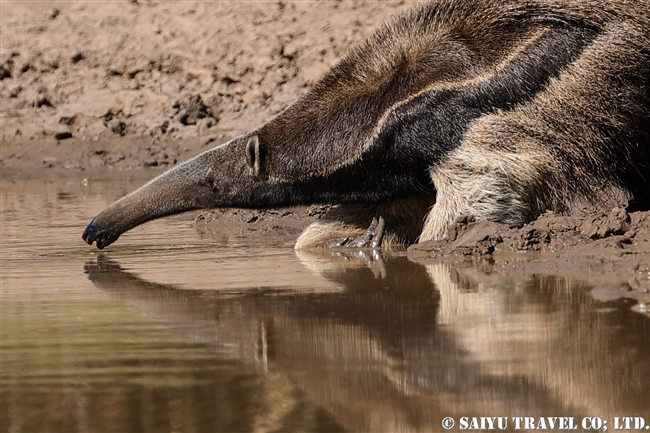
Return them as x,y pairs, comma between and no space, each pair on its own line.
498,109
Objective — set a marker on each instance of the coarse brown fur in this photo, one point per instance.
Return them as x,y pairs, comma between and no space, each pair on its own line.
496,109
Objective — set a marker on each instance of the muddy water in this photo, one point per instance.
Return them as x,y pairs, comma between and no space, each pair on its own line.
174,329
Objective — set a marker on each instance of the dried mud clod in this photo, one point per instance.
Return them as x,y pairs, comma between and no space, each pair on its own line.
550,232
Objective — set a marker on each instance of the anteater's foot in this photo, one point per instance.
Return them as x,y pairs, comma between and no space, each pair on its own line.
347,226
370,239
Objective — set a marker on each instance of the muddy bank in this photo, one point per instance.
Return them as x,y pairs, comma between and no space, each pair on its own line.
610,251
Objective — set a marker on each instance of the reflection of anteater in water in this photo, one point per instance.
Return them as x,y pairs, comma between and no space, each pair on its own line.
499,109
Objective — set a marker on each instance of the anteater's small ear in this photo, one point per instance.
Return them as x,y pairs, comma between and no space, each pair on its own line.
253,154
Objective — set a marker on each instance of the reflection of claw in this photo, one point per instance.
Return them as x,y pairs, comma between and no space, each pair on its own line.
376,264
371,238
372,259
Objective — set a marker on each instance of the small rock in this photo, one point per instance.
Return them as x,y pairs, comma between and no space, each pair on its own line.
15,91
67,120
62,135
617,222
5,72
192,109
214,104
77,57
61,132
49,162
202,125
42,100
157,127
289,51
116,126
209,140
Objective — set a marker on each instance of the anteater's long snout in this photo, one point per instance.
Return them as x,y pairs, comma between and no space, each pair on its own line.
173,192
208,180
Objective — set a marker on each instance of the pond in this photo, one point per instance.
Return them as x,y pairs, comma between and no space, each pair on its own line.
178,329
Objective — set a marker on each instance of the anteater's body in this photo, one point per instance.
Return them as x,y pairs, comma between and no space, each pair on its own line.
499,109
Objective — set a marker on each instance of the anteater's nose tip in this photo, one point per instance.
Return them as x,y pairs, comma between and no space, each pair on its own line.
94,234
90,233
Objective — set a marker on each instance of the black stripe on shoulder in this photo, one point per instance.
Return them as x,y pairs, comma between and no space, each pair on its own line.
434,122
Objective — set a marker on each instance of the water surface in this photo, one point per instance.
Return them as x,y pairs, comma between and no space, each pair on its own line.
174,329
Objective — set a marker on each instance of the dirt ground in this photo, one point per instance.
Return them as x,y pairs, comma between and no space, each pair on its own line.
125,85
130,84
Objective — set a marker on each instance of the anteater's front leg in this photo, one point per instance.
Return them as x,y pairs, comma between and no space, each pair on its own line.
489,182
351,225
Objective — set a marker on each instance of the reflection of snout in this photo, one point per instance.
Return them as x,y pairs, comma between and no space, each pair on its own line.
95,233
99,265
106,273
